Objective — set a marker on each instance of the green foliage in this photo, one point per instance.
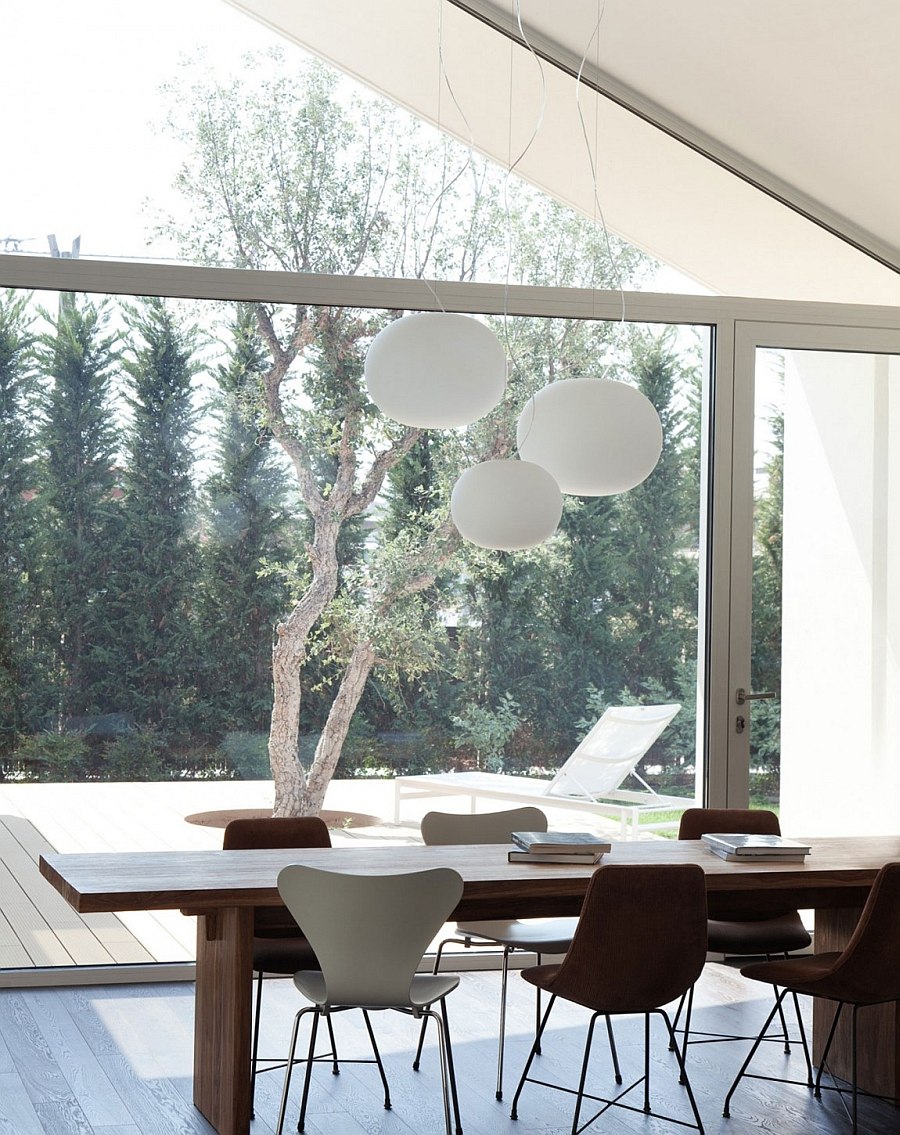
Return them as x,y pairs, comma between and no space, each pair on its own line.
17,548
135,755
243,589
77,505
54,756
488,731
247,754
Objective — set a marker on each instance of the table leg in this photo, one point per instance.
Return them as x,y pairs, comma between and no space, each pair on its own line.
222,1018
878,1028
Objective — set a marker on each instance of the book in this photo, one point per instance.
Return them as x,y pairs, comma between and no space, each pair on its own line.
780,857
749,846
571,858
560,843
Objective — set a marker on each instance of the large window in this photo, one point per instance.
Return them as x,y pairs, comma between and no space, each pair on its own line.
164,515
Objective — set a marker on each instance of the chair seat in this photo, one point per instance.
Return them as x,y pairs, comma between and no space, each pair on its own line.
544,935
424,990
283,955
766,936
808,974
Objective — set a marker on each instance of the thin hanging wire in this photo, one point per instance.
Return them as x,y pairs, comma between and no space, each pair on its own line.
511,167
593,159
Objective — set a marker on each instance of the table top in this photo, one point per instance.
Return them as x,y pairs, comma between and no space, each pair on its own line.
837,873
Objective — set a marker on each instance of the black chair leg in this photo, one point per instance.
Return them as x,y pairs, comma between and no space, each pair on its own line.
579,1095
726,1110
372,1041
254,1055
531,1055
682,1077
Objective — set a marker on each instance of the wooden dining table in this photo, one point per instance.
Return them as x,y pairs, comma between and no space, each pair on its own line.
222,888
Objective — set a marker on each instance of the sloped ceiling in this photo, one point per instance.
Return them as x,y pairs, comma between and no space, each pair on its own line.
753,146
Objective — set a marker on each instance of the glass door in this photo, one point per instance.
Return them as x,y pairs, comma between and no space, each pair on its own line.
815,665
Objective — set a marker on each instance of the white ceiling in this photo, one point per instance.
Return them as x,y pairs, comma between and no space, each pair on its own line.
754,146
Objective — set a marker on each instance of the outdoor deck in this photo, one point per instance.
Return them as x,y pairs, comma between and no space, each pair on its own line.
39,929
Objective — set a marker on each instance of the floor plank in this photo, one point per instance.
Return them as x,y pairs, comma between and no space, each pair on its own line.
116,1060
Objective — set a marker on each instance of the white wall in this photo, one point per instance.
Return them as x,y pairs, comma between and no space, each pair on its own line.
841,603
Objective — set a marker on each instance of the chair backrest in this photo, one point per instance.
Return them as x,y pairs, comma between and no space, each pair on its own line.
275,832
697,822
369,931
480,827
641,938
611,750
268,831
868,970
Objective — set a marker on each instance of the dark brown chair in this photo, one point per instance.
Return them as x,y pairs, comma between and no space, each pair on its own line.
743,935
864,973
279,945
640,943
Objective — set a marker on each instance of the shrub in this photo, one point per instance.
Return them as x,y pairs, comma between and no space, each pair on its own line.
247,754
135,755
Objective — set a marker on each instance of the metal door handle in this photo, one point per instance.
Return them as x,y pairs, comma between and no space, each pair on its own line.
741,695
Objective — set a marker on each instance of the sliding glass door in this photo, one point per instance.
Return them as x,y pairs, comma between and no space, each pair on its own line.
815,598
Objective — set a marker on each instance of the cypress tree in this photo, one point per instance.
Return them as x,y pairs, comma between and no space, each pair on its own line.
16,516
245,534
156,570
77,500
657,580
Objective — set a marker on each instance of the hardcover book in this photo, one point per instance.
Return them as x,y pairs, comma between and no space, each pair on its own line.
754,846
571,858
560,843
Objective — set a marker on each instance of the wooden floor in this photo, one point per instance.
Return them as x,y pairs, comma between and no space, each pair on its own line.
39,929
116,1060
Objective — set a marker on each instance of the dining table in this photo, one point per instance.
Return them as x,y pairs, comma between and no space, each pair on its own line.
222,889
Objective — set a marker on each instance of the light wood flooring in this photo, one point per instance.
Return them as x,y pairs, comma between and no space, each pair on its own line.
116,1060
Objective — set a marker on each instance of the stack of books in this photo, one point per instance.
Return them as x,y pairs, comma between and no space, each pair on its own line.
756,848
557,847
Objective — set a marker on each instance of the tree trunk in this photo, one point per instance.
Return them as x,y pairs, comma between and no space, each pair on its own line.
301,795
334,734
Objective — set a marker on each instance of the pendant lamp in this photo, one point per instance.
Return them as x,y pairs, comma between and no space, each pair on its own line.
594,436
436,370
506,505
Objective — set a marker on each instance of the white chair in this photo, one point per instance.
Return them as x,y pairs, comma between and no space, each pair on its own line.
369,933
589,781
537,935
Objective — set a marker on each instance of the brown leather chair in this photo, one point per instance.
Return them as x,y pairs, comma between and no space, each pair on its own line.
864,973
640,943
279,945
744,935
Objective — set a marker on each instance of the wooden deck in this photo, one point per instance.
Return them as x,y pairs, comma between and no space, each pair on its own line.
38,929
37,926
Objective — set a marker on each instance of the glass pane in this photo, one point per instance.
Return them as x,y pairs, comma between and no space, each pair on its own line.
825,589
205,138
159,547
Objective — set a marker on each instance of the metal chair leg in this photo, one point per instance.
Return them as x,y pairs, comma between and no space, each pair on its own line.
531,1055
500,1043
254,1055
387,1090
726,1110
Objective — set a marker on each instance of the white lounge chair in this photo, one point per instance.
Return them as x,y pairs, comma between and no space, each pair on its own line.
589,780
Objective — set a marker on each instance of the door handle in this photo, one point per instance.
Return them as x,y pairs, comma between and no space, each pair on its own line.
741,695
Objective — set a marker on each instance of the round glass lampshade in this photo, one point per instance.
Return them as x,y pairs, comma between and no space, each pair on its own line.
594,436
507,505
436,370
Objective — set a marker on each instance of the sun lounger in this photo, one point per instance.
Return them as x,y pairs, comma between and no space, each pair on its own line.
589,781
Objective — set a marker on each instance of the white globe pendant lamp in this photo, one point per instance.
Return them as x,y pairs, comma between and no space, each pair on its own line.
506,505
436,370
594,436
